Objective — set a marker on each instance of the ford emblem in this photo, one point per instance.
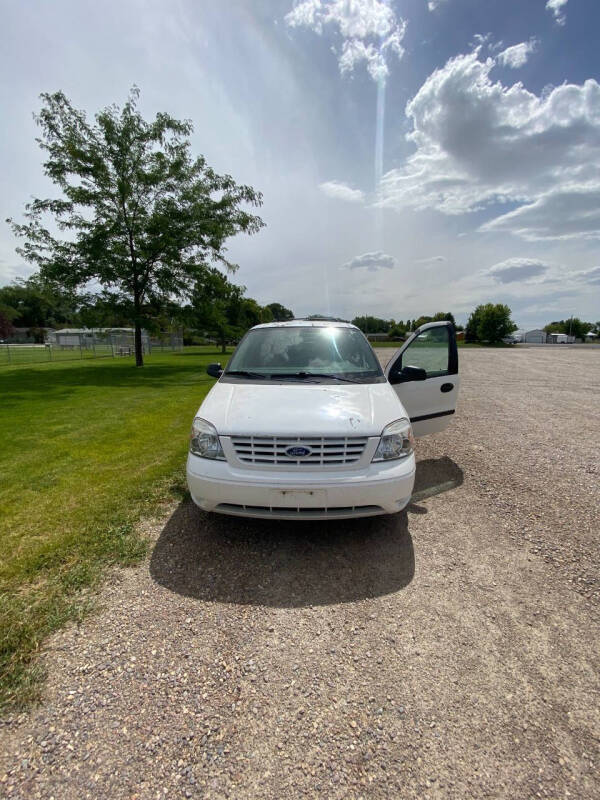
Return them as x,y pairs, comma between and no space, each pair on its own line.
298,451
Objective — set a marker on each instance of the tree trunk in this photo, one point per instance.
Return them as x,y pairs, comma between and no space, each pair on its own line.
139,354
222,339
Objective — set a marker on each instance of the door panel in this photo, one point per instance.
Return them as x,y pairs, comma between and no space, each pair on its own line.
430,403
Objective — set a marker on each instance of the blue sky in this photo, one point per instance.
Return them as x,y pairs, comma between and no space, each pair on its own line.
487,187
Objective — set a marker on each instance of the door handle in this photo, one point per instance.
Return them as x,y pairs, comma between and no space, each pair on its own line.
446,387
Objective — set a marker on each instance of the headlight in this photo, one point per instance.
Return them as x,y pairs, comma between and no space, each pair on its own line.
204,440
397,441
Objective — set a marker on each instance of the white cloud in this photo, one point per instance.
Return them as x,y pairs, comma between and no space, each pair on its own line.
557,9
307,14
485,40
433,4
372,261
369,30
517,55
480,143
591,276
566,212
341,191
430,260
517,269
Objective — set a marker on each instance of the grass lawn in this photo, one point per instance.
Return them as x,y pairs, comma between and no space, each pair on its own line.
87,448
17,354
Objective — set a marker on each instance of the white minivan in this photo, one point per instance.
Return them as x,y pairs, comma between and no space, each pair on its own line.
303,423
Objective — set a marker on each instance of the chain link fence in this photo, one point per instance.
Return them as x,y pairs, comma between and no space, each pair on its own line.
165,342
76,346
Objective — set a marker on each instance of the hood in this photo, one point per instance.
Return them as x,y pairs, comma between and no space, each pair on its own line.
301,409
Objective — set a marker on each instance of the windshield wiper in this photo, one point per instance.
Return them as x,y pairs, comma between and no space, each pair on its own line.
244,373
304,375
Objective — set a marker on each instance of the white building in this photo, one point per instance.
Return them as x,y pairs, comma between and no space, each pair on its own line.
536,336
87,338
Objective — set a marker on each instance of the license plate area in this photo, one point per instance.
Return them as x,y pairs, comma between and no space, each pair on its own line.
298,498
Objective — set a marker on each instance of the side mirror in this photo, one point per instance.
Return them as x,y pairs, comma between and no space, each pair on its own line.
408,373
214,370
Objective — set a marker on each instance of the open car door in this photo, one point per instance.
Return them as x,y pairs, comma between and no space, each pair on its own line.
424,374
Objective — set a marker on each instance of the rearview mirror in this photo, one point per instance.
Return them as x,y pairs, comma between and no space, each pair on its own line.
214,370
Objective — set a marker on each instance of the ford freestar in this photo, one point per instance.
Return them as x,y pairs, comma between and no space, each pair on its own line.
304,424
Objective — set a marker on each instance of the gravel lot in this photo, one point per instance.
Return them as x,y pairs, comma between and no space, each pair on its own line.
451,651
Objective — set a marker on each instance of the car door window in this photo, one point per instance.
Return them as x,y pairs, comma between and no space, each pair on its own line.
430,351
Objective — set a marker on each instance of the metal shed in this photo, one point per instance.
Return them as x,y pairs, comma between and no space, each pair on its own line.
536,336
120,340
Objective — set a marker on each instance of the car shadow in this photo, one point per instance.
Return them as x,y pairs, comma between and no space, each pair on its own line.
434,476
285,564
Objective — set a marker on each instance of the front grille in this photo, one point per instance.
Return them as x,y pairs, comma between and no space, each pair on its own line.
324,450
298,513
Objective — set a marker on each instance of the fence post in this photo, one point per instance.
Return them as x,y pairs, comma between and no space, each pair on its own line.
50,351
8,351
80,348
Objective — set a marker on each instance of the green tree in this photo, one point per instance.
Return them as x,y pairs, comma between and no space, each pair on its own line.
489,323
105,310
585,327
471,326
442,316
252,313
7,314
38,303
421,321
142,216
573,326
214,307
369,324
397,331
280,313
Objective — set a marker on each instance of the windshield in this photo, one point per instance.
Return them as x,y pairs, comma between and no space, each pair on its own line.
305,352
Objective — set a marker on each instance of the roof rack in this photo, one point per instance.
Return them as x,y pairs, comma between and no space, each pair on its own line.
319,318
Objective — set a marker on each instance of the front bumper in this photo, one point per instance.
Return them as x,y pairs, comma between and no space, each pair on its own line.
380,488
